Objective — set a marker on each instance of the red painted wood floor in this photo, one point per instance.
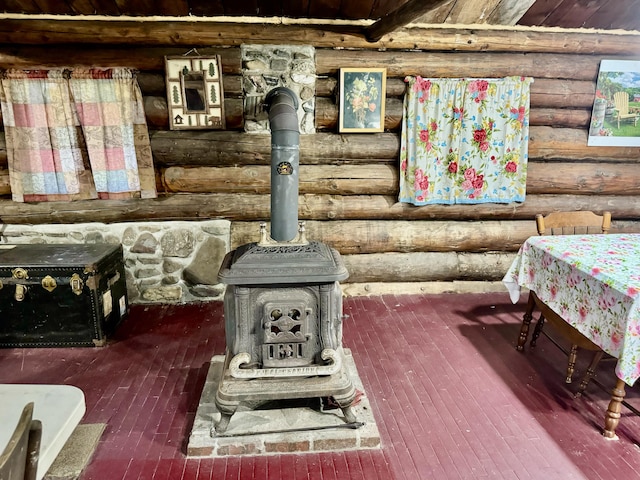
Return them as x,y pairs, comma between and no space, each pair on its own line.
452,397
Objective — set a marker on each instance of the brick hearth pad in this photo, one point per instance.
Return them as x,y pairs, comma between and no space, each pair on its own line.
300,428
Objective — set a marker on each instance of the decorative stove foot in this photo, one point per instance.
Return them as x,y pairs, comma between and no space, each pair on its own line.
349,416
221,425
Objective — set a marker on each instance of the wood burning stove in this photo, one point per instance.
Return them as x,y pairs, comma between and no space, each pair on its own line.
283,303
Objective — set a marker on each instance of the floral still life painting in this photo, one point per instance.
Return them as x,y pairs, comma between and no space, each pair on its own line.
362,97
464,140
615,117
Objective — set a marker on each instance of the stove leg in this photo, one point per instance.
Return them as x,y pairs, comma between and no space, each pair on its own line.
221,425
349,415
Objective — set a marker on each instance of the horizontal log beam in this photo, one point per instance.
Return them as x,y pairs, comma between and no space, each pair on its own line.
465,64
559,117
192,148
554,93
548,143
558,103
190,33
583,178
389,287
427,267
545,92
398,63
387,236
327,112
236,148
406,236
317,179
248,207
383,179
136,57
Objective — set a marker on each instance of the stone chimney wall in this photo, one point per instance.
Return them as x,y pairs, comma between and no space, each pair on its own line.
165,262
265,67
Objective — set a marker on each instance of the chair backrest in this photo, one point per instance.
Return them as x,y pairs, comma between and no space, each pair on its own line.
19,459
571,223
621,101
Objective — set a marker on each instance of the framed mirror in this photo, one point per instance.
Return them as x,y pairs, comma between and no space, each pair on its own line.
193,90
195,97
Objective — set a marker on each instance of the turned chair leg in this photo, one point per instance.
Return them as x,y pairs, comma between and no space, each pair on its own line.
537,331
573,355
526,322
590,372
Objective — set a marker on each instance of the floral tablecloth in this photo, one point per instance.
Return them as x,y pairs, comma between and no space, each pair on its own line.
592,282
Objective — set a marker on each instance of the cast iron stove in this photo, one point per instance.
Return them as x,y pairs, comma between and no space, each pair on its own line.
283,327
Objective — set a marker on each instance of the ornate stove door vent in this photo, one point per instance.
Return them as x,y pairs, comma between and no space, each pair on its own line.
286,334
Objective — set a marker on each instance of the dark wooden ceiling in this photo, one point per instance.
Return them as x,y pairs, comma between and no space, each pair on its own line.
605,14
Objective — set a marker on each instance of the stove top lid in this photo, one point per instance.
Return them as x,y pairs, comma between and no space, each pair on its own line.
252,264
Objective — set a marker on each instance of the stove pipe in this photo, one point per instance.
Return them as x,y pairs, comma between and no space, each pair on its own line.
282,105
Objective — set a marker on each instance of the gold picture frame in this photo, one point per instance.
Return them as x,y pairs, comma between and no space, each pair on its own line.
362,99
195,97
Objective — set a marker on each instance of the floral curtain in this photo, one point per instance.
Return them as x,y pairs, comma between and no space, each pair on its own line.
464,141
75,135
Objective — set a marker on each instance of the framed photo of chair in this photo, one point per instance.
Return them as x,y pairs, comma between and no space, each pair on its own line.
615,117
362,99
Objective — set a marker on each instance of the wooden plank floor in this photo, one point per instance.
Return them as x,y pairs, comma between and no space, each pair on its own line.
451,396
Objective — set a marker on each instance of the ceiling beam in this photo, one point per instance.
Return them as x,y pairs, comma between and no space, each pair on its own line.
496,12
398,18
508,12
469,12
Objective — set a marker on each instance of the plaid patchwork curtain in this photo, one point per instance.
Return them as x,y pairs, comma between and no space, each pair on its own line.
53,155
43,150
464,141
111,112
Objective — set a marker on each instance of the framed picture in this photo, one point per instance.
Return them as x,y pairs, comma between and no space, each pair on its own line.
362,98
194,92
615,117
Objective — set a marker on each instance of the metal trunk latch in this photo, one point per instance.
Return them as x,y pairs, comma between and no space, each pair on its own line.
76,284
49,283
19,273
21,291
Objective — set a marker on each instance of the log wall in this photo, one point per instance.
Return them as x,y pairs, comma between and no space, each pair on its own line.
349,182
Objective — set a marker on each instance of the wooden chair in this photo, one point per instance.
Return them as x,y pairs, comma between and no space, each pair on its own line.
621,101
19,459
569,223
573,223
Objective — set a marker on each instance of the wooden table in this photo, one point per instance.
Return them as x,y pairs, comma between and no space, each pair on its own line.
593,283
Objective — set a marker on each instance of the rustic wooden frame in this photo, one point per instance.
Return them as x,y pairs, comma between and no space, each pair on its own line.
374,119
209,114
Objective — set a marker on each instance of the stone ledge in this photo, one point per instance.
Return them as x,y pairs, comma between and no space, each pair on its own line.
280,430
